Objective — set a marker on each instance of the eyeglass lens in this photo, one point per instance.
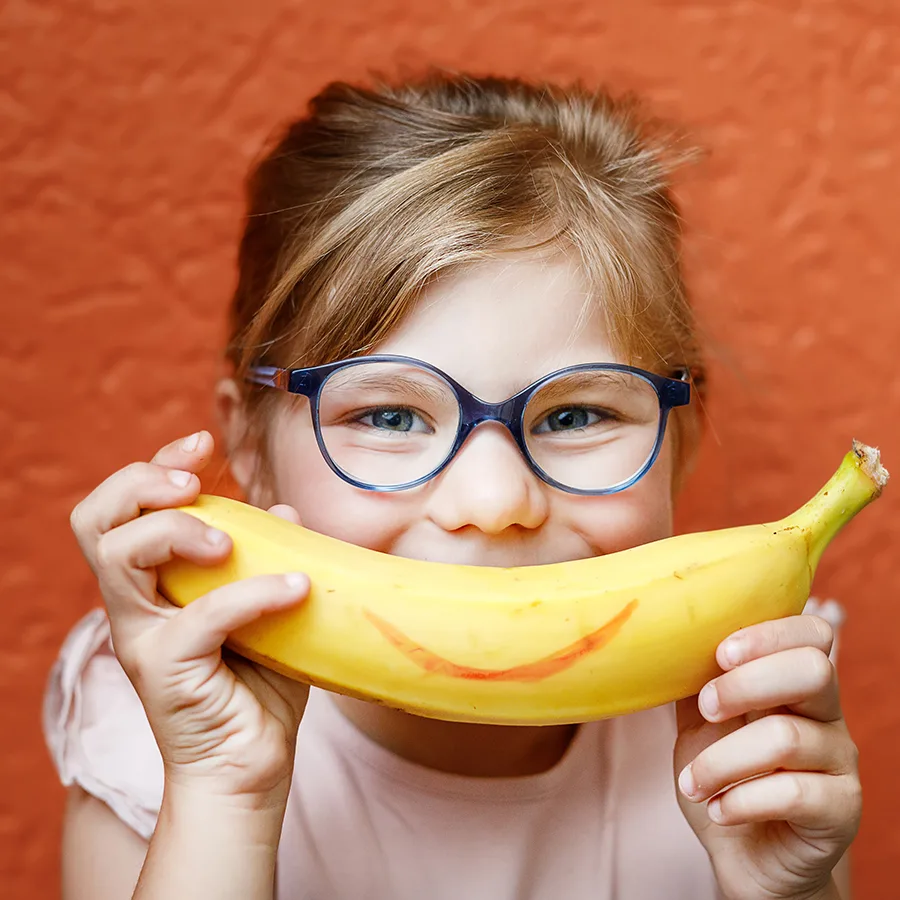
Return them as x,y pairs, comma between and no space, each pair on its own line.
388,424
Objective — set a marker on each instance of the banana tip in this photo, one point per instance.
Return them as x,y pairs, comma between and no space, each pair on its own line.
870,463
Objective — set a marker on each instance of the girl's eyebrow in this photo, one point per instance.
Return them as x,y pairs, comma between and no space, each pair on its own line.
576,381
407,384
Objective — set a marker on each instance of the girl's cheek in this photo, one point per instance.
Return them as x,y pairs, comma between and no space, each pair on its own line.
328,504
641,514
623,525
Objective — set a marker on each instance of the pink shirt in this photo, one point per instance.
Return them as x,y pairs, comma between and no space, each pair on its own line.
365,824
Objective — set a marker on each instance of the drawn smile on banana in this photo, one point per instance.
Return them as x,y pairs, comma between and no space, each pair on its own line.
534,671
519,646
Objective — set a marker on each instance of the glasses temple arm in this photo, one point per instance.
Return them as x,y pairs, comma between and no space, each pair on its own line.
270,376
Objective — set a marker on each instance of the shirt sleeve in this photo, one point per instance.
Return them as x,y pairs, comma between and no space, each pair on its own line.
833,613
96,729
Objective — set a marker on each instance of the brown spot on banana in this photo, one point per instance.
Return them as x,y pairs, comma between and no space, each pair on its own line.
533,671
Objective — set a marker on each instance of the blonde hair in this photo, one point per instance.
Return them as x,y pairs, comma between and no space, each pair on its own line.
376,191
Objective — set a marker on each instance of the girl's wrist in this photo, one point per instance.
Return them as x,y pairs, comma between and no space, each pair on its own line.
228,794
198,797
831,892
209,844
828,892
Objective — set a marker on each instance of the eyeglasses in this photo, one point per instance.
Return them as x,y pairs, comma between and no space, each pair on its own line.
389,423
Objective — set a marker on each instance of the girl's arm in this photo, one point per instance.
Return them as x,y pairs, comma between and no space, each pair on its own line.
199,849
101,855
841,876
211,846
226,729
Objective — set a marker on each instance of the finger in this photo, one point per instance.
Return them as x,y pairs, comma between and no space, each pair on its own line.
139,486
806,799
695,734
775,636
127,555
803,680
124,495
202,626
283,511
766,745
191,453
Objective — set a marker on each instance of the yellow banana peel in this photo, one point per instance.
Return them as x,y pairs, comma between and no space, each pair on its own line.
547,644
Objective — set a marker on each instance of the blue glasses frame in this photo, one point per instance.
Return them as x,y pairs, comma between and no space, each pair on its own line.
670,392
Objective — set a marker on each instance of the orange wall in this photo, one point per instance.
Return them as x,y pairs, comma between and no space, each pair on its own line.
126,129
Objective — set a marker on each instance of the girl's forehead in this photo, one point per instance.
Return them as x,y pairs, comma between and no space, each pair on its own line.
501,324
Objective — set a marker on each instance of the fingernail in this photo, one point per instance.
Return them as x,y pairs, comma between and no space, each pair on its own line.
216,537
733,651
709,701
686,782
179,478
190,444
714,809
296,581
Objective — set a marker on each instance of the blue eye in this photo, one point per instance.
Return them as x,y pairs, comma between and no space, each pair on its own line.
392,419
571,418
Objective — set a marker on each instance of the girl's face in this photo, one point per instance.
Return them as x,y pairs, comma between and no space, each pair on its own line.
495,328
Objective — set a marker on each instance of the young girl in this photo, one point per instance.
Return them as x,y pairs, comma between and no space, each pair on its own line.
487,237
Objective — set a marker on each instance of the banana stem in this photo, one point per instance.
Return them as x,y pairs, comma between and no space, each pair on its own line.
858,481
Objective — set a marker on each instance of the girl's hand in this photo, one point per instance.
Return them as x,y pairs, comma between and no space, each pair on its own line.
769,750
223,725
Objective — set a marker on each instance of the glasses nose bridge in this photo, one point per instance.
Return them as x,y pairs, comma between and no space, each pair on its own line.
476,412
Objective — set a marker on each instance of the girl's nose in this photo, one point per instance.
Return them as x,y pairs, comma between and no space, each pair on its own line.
488,485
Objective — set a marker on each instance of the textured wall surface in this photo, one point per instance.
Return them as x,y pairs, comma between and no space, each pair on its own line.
125,131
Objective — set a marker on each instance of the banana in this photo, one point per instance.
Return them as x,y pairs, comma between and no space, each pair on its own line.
548,644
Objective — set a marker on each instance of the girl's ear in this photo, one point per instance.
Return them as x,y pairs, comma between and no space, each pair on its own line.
241,446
